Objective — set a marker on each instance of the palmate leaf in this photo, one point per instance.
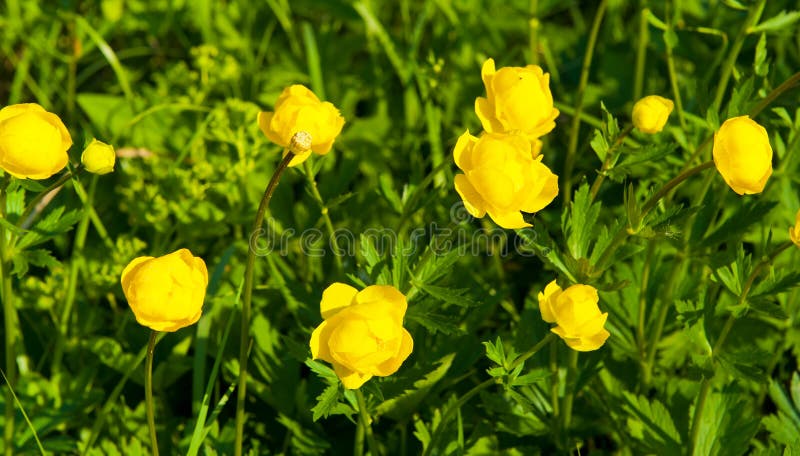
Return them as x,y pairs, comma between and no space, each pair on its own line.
407,403
651,424
784,426
726,425
303,440
455,296
326,402
58,221
750,213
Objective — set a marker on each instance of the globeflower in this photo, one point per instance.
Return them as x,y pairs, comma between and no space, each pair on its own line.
794,231
299,110
576,314
503,176
99,157
166,293
650,114
742,155
517,99
33,142
362,335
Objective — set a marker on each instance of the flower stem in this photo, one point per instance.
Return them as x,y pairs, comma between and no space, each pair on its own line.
611,158
524,357
705,386
569,394
569,162
312,184
10,319
366,423
148,392
533,28
641,53
244,342
727,67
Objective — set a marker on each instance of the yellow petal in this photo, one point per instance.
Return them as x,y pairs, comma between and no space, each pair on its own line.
335,298
350,379
487,74
485,109
537,201
391,366
510,220
319,343
473,202
546,300
462,152
384,293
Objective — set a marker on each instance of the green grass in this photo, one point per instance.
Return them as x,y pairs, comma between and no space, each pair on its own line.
699,302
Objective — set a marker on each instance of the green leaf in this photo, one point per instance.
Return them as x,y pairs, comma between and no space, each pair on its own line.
326,402
456,296
581,225
648,155
748,214
599,145
760,65
407,403
777,23
651,424
54,223
726,426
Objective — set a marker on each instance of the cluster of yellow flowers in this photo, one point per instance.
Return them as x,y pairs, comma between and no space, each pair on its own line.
503,170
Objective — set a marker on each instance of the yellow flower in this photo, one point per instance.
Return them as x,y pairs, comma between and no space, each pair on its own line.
33,142
650,114
299,110
98,157
363,333
794,232
502,176
517,99
576,314
742,155
166,293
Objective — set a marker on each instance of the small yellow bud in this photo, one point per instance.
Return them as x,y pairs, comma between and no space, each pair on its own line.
650,114
98,157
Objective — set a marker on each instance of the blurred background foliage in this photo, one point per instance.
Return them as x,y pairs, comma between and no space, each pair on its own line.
176,85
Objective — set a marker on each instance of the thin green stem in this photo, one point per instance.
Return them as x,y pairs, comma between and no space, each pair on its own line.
611,158
366,423
23,220
533,27
727,67
75,262
312,184
448,413
661,319
10,319
677,180
244,342
640,335
705,386
569,162
673,79
525,356
641,54
569,394
554,382
148,392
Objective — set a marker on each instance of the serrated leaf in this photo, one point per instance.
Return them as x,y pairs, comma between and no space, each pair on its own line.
580,226
407,403
647,155
456,296
599,145
54,223
726,426
760,65
651,424
326,402
749,214
740,98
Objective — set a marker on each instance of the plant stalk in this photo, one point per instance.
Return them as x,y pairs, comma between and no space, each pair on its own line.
148,392
244,342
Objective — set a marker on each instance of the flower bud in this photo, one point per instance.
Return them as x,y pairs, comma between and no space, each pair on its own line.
794,231
362,335
650,114
742,155
33,142
166,293
576,314
98,157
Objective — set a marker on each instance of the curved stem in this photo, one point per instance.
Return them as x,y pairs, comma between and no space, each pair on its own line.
663,191
244,342
569,162
325,217
366,423
524,357
148,392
